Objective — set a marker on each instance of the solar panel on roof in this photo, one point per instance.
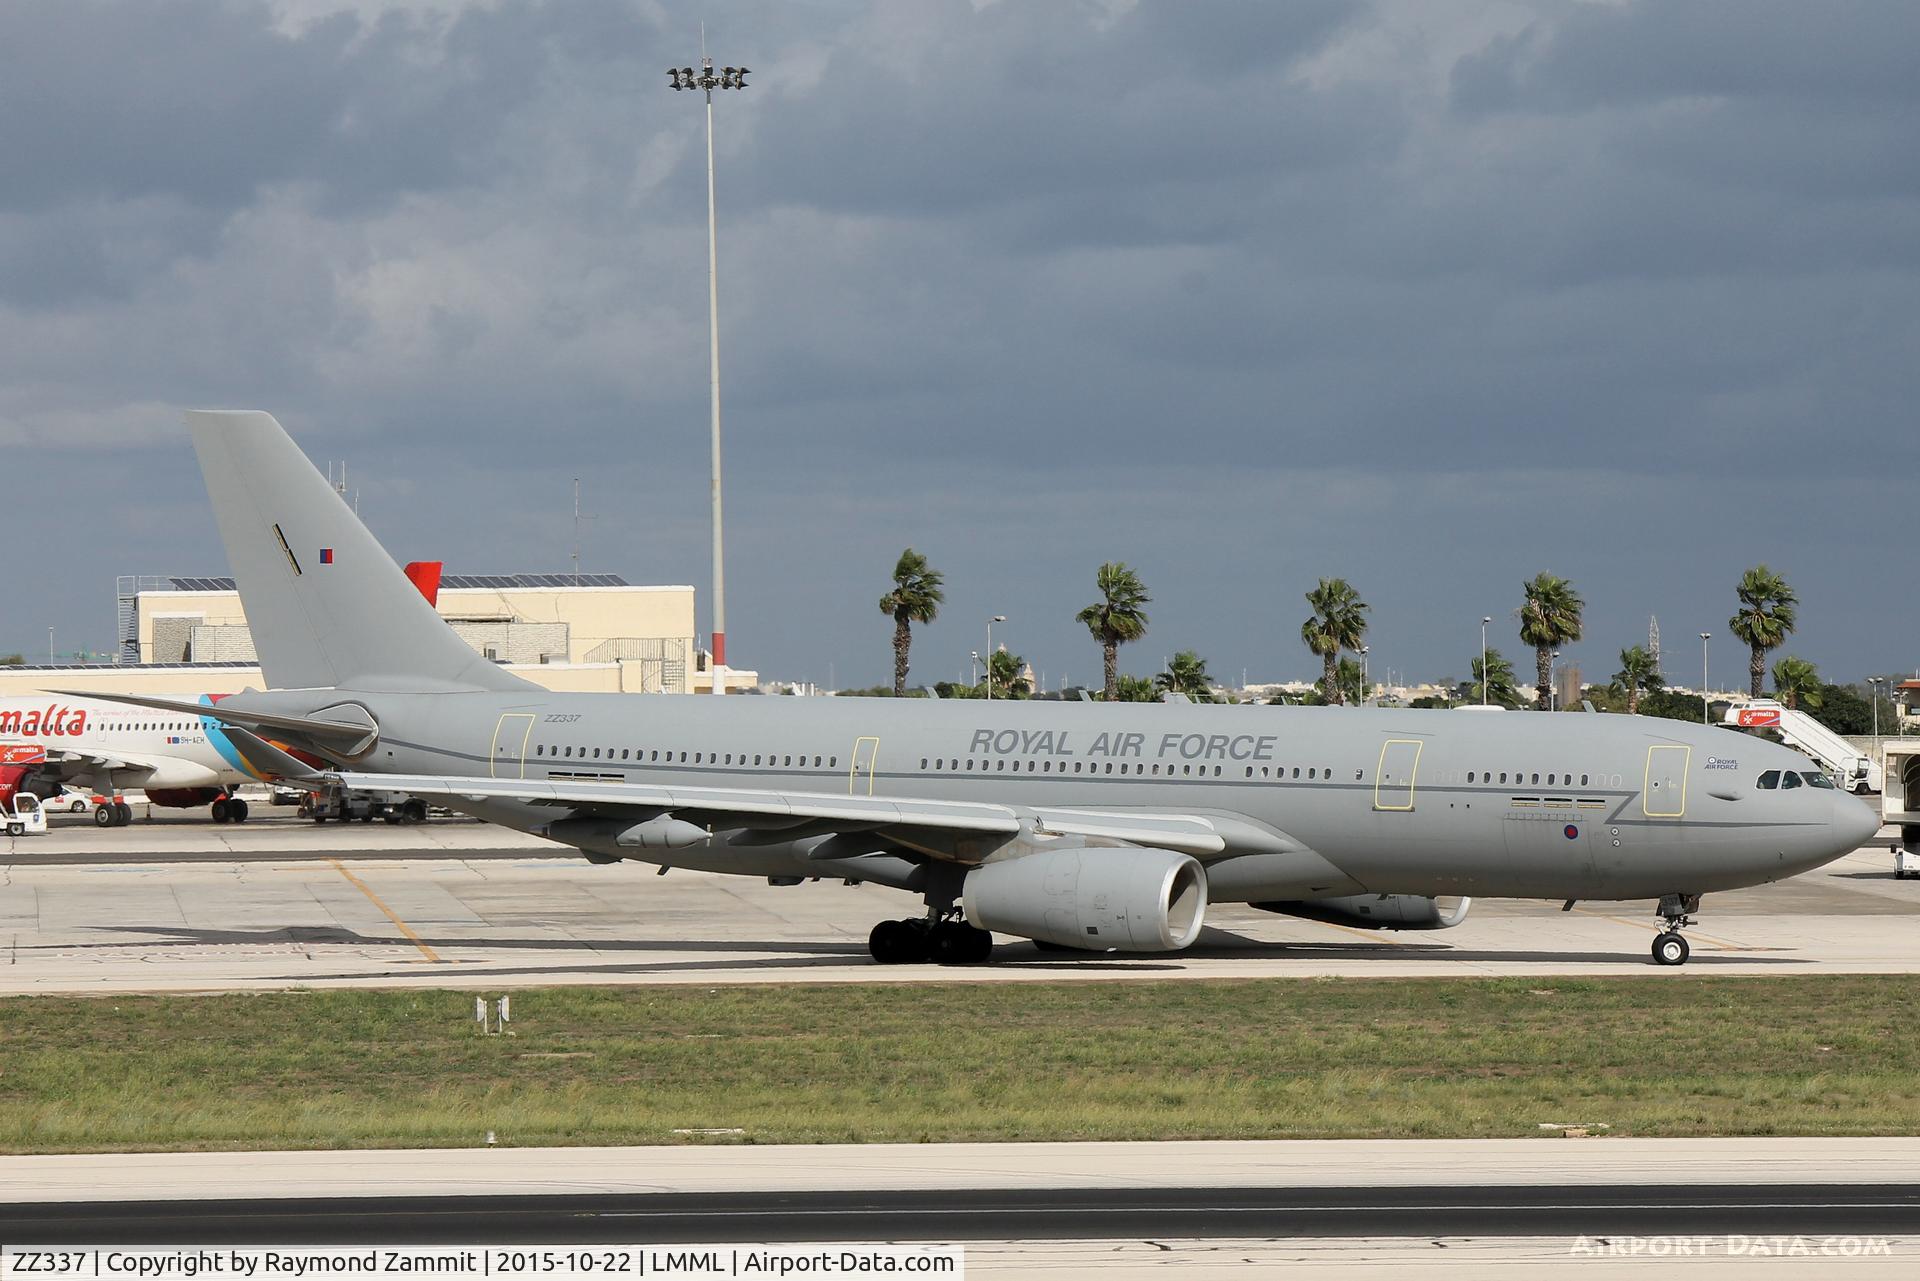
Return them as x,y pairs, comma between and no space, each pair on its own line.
487,582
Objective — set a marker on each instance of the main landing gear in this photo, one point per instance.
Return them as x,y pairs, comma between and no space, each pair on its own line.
229,809
112,814
947,941
1677,911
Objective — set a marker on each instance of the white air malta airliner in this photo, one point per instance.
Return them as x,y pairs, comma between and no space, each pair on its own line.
178,759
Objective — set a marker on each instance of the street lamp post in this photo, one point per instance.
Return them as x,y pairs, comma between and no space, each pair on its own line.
1363,676
707,81
997,618
1874,683
1704,638
1553,682
1483,658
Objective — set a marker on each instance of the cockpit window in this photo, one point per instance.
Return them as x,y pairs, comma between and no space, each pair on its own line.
1817,779
1769,780
1789,780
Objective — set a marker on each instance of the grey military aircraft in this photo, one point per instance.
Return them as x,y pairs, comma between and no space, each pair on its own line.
1090,826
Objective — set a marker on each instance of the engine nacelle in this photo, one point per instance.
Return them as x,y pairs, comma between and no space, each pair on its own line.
1379,911
1100,899
184,797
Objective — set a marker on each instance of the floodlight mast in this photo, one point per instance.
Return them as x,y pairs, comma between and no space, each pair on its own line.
729,78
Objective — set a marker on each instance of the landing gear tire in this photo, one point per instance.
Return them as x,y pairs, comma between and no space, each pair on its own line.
898,943
957,943
103,815
1671,949
220,814
414,811
237,811
122,814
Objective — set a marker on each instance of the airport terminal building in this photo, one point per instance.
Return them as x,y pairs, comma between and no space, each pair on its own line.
585,633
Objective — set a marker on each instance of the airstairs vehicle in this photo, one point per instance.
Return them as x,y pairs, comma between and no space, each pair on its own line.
1851,770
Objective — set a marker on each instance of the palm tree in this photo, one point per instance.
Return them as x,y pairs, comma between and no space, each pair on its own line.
1347,677
1549,619
1766,616
1137,689
1796,682
1498,678
1004,671
915,598
1638,671
1339,621
1116,617
1186,674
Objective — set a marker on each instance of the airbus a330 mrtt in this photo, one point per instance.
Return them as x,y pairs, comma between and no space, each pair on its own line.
1091,826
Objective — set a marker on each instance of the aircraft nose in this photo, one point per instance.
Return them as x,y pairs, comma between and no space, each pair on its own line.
1854,821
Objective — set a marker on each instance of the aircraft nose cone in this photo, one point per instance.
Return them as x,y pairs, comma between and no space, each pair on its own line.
1854,821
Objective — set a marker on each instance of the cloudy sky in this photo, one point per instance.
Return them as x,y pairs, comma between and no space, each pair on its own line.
1430,294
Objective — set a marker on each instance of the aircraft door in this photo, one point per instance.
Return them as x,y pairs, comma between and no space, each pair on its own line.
1393,780
860,774
1664,794
509,755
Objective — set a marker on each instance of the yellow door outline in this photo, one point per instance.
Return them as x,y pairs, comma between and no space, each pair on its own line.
871,747
1380,771
1673,802
504,748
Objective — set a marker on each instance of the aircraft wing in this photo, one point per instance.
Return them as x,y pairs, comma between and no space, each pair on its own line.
83,767
725,808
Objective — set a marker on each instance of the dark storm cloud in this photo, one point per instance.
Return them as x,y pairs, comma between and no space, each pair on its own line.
207,100
1433,294
1014,106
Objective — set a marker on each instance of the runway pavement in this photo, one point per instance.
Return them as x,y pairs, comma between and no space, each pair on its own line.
1189,1209
180,904
1812,1211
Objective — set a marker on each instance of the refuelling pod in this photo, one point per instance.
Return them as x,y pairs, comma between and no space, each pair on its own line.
1101,899
612,839
1379,911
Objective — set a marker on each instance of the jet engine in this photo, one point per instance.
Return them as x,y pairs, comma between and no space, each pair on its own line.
1379,911
184,797
1101,899
15,779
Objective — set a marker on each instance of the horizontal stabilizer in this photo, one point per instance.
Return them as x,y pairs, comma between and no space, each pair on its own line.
270,760
343,731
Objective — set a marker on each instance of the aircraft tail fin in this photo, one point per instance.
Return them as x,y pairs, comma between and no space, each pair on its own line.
327,606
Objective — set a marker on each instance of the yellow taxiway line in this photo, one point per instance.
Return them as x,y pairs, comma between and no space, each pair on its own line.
373,898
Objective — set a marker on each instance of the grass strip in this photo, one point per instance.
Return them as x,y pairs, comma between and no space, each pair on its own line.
1307,1058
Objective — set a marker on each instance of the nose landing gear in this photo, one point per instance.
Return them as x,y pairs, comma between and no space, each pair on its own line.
1676,910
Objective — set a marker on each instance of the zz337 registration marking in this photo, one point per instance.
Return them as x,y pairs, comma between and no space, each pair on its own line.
52,1262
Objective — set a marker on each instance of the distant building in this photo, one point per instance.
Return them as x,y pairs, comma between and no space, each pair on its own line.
1906,701
599,633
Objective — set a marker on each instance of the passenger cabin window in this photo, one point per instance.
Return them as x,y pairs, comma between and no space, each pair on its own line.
1768,781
